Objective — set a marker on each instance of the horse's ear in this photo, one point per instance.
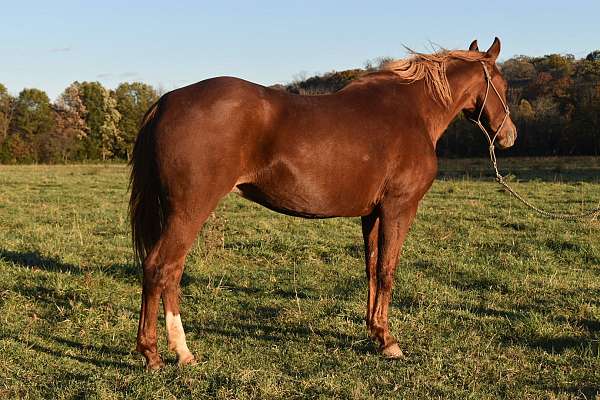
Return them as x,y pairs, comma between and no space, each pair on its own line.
474,46
494,49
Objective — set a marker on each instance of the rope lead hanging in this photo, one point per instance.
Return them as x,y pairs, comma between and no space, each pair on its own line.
593,213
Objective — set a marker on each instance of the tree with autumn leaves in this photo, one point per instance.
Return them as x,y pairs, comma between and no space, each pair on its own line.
87,122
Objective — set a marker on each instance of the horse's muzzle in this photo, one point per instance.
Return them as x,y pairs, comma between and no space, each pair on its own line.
508,137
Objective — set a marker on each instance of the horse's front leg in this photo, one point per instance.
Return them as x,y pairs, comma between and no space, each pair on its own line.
370,230
395,221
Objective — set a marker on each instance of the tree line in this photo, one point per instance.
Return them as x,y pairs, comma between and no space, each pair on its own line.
554,101
86,122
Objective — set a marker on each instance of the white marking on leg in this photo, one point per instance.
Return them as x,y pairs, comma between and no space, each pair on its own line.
176,337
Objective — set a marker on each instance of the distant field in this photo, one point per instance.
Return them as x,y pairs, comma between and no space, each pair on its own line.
553,169
490,300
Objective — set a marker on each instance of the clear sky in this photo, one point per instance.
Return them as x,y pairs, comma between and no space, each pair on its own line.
49,44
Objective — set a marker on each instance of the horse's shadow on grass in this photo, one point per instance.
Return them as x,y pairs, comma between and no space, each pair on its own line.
259,322
50,296
242,328
33,259
345,289
229,285
282,333
74,351
38,293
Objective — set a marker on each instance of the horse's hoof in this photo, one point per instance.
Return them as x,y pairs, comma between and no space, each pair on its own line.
154,365
187,360
392,352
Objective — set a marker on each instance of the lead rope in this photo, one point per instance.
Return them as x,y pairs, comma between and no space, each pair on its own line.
593,213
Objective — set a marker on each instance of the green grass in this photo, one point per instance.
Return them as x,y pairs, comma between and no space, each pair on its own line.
490,300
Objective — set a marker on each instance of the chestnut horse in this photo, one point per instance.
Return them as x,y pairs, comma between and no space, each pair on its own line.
365,151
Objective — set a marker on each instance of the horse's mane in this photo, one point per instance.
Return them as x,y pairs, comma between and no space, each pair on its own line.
432,69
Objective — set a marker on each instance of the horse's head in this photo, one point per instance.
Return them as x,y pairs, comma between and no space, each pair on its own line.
490,100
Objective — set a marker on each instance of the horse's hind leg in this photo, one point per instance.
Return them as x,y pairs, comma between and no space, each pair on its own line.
146,336
163,268
170,293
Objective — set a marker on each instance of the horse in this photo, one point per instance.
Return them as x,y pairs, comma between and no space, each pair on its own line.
367,150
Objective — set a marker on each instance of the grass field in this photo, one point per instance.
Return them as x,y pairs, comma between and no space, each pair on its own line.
490,300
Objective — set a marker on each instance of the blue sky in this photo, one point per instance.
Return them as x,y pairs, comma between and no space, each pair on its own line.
49,44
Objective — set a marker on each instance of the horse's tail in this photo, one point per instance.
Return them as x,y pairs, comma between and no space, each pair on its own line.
147,206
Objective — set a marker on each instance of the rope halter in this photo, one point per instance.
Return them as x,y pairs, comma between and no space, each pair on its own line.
491,139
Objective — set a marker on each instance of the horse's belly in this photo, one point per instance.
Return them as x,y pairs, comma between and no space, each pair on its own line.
304,202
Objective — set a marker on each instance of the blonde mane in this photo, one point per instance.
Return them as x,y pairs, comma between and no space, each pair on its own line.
432,69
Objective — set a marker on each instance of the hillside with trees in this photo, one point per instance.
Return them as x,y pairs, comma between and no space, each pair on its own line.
554,100
86,122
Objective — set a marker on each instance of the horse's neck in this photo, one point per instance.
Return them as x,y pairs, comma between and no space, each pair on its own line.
462,77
